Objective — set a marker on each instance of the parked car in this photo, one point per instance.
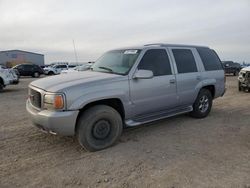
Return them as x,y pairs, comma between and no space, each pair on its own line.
127,87
77,68
231,67
244,79
29,70
58,68
7,77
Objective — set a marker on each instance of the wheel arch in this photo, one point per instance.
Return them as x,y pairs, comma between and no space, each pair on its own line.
115,103
211,88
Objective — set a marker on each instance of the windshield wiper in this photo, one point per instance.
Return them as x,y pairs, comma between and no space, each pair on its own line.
106,68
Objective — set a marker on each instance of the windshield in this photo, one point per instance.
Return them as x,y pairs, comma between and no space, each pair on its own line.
116,61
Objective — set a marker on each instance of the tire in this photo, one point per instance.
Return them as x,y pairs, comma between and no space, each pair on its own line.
203,104
50,73
1,86
99,127
36,75
236,73
239,87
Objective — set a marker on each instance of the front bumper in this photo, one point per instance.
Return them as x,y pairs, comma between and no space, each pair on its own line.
62,123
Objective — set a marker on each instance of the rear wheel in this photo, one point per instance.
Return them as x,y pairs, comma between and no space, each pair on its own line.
36,74
50,73
236,73
203,104
99,127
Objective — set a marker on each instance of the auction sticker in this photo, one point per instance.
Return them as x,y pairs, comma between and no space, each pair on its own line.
130,51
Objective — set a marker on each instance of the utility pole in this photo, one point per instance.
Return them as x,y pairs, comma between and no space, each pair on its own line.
75,52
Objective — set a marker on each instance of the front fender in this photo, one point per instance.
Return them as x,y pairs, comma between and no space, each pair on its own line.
100,95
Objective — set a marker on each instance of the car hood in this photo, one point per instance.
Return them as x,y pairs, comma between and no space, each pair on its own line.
47,68
64,81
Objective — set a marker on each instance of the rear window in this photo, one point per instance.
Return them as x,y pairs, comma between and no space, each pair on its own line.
210,59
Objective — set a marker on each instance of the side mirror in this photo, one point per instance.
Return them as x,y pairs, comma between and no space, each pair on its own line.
143,74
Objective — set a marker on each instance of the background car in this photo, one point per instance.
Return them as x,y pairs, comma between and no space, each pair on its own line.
244,79
58,68
29,70
78,68
7,77
231,67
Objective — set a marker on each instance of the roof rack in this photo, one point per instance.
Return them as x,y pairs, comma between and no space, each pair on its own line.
173,45
155,44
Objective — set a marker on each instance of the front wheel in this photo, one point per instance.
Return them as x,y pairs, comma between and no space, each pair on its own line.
203,104
50,73
99,127
239,86
1,86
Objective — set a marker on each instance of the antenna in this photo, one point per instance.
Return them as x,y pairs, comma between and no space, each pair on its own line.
75,51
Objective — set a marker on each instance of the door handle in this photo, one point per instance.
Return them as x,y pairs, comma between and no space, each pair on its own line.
172,81
198,78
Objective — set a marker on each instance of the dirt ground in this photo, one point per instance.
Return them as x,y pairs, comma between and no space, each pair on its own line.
176,152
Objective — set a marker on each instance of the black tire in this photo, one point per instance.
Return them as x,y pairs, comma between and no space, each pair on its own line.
236,73
239,86
50,73
1,85
203,104
99,127
36,75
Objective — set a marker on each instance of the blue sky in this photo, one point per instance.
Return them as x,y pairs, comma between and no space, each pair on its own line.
49,26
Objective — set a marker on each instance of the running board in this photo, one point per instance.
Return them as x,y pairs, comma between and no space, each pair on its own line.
156,116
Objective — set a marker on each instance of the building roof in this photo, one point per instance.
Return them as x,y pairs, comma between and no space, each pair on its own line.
20,51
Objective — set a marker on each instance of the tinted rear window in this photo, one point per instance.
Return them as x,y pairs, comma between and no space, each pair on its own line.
185,61
210,59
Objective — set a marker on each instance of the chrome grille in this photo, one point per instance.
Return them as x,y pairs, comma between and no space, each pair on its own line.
35,98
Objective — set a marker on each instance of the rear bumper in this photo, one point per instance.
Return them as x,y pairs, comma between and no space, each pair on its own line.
62,123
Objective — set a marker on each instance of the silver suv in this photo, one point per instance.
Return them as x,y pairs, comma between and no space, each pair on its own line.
127,87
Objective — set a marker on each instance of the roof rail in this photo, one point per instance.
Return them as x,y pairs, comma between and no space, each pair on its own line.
155,44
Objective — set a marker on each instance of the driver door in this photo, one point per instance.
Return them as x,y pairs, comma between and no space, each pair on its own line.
157,93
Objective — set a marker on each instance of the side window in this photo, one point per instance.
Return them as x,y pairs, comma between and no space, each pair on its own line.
210,59
28,67
20,67
60,66
157,61
185,61
63,66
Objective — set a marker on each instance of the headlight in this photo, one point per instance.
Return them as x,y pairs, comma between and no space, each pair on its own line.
53,101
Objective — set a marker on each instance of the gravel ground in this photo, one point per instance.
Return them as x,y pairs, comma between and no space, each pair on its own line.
176,152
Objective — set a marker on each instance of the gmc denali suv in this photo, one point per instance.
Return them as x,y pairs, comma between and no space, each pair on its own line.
127,87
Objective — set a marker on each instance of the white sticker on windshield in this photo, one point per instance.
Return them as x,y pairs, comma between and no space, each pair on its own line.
130,52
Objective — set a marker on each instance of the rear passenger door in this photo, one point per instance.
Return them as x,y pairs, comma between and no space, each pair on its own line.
28,70
188,75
